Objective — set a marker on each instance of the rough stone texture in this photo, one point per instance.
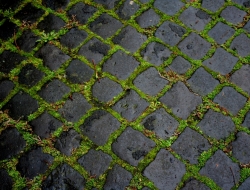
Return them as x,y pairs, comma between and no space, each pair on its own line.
144,1
241,45
221,61
230,99
245,185
130,39
54,91
51,23
221,32
181,100
27,41
202,82
165,164
6,180
193,184
179,65
150,82
216,125
120,65
148,18
33,163
247,27
117,178
170,33
7,4
169,7
95,162
212,5
7,30
99,126
220,168
127,9
55,4
241,78
105,89
110,4
194,46
161,123
131,105
246,122
11,148
233,14
155,53
6,86
68,141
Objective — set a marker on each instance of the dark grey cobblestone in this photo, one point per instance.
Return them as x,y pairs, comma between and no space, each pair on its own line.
27,41
245,185
241,78
212,5
240,44
242,2
148,18
7,30
170,7
247,26
246,122
179,65
51,23
193,184
127,9
6,180
233,14
6,86
107,4
55,5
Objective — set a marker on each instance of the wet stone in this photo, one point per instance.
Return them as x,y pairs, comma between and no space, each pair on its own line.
11,143
74,109
155,53
6,180
221,32
54,91
78,72
169,7
118,178
64,177
241,78
120,65
241,45
194,46
148,18
52,56
99,126
7,4
55,4
193,184
245,185
230,99
161,123
110,4
73,38
216,125
7,30
179,65
220,168
150,82
165,164
132,146
131,105
195,18
181,101
127,9
212,5
51,23
95,162
68,141
247,27
33,163
27,41
44,125
170,33
105,89
190,144
233,14
202,82
6,86
246,122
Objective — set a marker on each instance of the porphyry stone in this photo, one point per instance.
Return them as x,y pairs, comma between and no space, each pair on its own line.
148,18
241,45
51,23
193,184
127,9
7,30
233,14
179,65
27,41
6,86
56,4
73,38
212,5
246,122
169,7
6,180
241,78
245,185
107,4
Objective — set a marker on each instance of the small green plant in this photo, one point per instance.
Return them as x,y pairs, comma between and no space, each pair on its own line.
48,37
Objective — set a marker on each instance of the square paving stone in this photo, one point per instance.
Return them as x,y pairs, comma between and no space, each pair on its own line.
130,39
120,65
95,162
245,185
33,163
179,65
155,53
132,146
7,4
241,45
68,141
64,177
78,72
105,89
94,50
131,105
230,99
161,123
181,100
52,56
73,38
247,27
6,180
21,106
221,32
74,109
27,41
241,78
117,178
193,184
45,124
221,61
127,9
212,5
233,14
169,7
195,18
216,125
6,86
105,26
150,81
165,171
51,23
190,144
170,33
82,12
202,82
246,122
55,4
148,18
7,30
12,143
54,91
220,168
110,4
194,46
99,126
30,75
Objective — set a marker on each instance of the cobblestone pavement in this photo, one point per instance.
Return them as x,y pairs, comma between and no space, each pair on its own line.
125,94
